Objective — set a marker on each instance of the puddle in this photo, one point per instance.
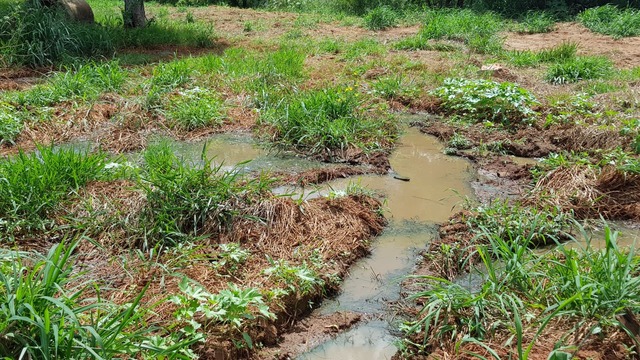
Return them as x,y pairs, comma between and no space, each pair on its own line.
370,341
230,150
437,184
627,237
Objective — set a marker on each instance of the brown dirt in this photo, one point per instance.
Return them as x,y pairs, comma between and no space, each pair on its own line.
534,142
624,52
336,231
590,193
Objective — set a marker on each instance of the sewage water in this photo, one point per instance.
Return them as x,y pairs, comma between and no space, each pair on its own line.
438,183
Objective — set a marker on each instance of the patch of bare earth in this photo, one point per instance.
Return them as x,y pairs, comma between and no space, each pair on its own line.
624,52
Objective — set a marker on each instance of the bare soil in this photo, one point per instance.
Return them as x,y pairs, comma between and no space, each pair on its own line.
624,52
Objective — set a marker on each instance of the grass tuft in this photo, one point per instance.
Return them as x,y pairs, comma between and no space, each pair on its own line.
32,185
580,68
479,32
327,123
610,20
380,18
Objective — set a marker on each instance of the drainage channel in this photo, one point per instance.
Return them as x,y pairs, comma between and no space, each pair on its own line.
437,184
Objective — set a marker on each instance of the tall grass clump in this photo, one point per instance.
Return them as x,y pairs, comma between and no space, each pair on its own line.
486,101
536,22
49,311
610,20
478,31
80,82
327,123
562,53
184,200
380,18
581,290
580,68
195,108
33,185
32,35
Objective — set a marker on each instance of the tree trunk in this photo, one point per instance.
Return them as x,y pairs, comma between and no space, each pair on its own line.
133,14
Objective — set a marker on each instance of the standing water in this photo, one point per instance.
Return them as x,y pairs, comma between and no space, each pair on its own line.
437,184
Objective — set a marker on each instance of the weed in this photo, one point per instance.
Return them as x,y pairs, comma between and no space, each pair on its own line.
11,123
231,255
32,185
300,280
535,22
487,101
477,31
458,142
199,309
327,123
380,18
195,108
610,20
46,313
580,68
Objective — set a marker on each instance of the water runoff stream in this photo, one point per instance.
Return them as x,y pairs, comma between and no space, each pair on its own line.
429,187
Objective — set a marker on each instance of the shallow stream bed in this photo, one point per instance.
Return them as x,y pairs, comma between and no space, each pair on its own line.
437,184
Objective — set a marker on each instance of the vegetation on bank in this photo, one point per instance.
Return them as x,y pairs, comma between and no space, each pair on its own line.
206,257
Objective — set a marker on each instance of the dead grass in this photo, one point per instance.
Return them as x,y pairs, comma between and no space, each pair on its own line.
590,192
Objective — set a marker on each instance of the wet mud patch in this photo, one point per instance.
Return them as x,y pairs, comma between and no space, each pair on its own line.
532,142
309,333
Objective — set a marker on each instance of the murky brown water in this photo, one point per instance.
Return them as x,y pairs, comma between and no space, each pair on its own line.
438,184
228,150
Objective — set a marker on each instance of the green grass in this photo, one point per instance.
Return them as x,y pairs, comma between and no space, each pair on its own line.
327,122
49,311
478,31
33,185
34,36
610,20
82,82
195,108
185,201
580,68
380,18
535,22
559,54
486,101
522,291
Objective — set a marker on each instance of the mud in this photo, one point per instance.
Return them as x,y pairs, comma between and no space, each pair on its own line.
437,183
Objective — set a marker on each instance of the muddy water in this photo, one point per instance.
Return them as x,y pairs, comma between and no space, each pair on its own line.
438,183
228,150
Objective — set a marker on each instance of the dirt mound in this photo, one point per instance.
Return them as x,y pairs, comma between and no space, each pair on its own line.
590,192
624,52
